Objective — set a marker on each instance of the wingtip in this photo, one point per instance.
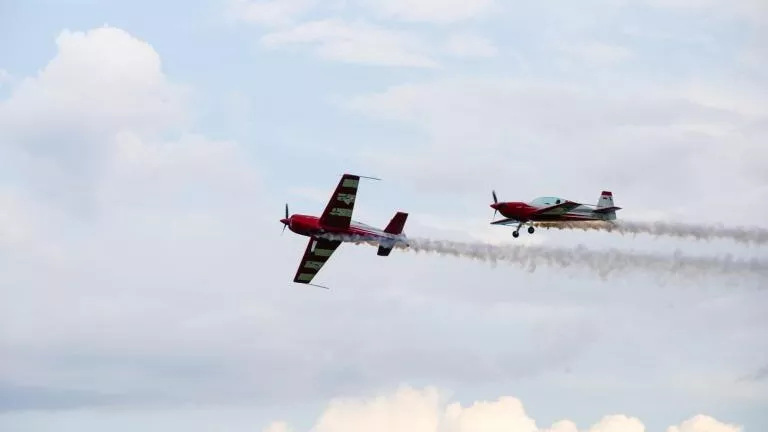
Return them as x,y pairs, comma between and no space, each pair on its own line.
358,176
369,177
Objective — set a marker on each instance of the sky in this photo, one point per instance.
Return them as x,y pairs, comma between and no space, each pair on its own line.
147,151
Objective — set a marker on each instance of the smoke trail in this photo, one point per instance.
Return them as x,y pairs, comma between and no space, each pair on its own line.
747,235
601,262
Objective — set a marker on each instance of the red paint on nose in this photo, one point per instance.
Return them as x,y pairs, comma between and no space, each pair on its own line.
284,221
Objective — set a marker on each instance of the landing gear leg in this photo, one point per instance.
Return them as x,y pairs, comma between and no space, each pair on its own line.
516,232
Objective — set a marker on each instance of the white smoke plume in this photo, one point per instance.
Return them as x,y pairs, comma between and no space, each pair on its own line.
429,410
746,235
601,262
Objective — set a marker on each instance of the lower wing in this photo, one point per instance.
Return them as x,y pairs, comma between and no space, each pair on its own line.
508,221
316,254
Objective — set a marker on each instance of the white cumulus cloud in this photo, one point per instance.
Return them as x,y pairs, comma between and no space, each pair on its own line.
101,159
428,410
105,103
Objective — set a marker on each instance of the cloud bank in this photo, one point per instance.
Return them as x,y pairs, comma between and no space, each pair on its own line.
428,410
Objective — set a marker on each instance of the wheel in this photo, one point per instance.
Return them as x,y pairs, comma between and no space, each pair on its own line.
530,230
515,234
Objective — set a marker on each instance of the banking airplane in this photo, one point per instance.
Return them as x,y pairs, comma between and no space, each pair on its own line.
336,220
552,210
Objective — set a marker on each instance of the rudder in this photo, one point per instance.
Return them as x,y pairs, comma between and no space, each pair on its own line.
394,227
605,206
397,223
605,200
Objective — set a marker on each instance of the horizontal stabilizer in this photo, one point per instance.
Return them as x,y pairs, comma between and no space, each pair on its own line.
397,223
606,209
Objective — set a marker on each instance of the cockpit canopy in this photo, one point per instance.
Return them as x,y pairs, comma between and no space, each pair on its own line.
547,201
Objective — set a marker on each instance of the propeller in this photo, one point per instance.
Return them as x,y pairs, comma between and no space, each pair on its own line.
286,220
495,201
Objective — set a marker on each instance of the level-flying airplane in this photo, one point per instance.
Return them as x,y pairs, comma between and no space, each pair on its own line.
337,220
552,210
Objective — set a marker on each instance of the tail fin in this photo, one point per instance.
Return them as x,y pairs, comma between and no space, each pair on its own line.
606,200
605,206
395,227
397,223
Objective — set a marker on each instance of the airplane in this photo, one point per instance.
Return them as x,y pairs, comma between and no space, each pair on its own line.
552,210
336,219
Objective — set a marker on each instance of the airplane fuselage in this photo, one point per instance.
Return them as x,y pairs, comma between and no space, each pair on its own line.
552,210
335,226
525,212
311,226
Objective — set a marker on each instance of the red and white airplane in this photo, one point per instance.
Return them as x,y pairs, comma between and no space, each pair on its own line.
552,210
336,220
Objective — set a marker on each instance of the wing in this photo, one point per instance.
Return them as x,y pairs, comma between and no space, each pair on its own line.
315,256
338,212
557,209
508,221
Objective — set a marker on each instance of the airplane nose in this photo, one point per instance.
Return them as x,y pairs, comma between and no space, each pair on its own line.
284,221
495,206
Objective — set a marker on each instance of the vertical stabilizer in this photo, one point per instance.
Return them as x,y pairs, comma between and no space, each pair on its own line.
606,200
395,227
397,223
605,207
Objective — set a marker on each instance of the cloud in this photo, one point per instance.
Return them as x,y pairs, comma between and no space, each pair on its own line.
278,427
273,12
756,10
758,375
103,178
598,52
5,77
20,398
99,83
270,12
153,291
145,300
79,86
481,127
356,42
432,11
428,410
14,218
702,423
470,45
